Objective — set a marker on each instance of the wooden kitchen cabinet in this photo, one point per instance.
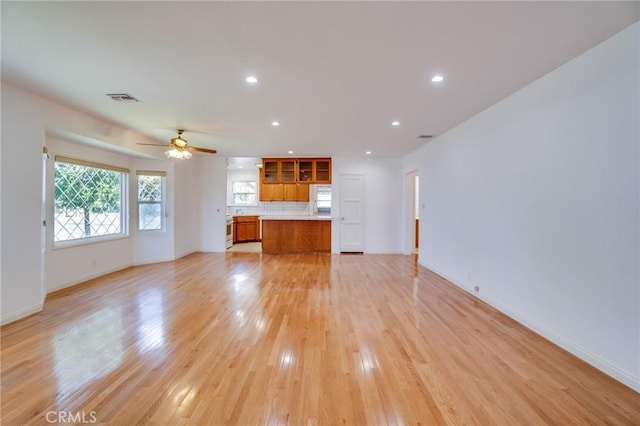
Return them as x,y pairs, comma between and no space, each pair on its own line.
288,179
284,192
296,192
299,170
279,170
323,170
271,192
246,228
296,236
314,170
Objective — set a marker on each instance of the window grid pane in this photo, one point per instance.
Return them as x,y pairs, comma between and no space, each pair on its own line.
150,197
87,202
149,188
244,192
150,216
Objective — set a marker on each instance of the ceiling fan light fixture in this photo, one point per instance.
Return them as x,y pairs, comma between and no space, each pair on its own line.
179,142
179,154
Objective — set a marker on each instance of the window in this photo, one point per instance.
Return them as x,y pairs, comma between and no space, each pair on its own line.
243,193
89,200
323,199
150,200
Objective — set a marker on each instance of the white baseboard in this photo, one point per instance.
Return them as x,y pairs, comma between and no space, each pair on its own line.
19,314
152,261
611,370
180,256
84,278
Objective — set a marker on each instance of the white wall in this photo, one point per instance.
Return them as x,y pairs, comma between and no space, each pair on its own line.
29,122
213,178
383,201
22,140
536,201
71,265
186,209
153,246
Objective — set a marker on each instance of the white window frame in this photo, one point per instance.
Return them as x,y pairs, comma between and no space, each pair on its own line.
320,189
124,204
163,189
233,203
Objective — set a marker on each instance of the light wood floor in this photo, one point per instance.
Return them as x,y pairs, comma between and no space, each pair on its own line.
245,338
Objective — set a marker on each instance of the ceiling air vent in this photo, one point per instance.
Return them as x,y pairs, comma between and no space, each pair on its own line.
122,97
425,136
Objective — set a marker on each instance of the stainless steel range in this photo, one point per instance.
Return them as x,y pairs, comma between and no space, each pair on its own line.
229,238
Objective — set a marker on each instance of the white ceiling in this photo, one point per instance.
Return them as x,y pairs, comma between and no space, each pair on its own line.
334,74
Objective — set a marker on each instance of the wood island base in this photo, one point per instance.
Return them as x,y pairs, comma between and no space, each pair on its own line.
287,236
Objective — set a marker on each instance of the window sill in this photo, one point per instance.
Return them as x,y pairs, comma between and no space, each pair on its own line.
86,241
152,231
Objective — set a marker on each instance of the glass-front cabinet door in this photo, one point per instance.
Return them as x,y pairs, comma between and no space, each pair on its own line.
287,170
271,174
305,170
323,171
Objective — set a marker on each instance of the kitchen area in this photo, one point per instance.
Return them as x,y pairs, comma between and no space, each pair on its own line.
278,205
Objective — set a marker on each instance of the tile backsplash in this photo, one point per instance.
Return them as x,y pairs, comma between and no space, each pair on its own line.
273,208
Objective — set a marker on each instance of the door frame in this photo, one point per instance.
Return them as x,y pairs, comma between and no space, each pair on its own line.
410,208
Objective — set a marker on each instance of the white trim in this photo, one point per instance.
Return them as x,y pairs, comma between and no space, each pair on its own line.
152,261
86,278
180,256
91,164
22,313
57,245
622,376
163,203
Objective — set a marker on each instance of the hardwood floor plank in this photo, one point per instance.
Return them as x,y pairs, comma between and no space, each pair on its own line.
300,339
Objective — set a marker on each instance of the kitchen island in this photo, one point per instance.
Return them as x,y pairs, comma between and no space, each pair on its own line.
291,234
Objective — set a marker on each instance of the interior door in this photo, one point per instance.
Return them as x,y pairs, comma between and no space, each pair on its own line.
351,213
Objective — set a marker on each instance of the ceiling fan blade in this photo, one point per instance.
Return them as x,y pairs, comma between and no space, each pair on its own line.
152,144
207,150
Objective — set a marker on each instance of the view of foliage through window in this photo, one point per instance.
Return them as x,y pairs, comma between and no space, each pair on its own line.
88,202
149,202
244,192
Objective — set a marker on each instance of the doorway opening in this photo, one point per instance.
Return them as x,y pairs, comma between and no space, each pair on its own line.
412,218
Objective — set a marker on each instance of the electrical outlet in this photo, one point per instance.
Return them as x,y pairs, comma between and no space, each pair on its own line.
476,288
93,261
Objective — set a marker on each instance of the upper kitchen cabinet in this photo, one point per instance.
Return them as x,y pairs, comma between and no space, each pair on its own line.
314,170
302,170
270,171
279,170
287,171
323,170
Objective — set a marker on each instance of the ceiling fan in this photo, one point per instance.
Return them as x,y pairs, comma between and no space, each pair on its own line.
179,149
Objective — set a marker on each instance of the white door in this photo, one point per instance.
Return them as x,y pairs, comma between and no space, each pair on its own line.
351,213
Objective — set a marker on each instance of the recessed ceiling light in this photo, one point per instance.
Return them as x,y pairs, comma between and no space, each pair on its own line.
252,79
290,152
437,78
368,152
395,123
275,123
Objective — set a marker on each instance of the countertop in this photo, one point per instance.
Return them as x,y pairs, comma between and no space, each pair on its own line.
294,217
